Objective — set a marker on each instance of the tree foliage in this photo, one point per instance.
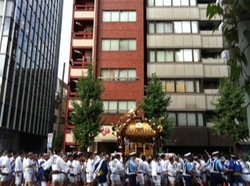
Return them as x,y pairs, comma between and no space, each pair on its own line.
154,106
87,113
231,114
234,12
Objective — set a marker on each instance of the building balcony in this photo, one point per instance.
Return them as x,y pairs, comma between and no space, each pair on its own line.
215,70
70,103
84,13
84,7
187,70
77,72
211,40
82,43
180,13
69,137
174,41
187,101
80,63
210,99
206,39
175,70
192,101
83,35
172,13
213,61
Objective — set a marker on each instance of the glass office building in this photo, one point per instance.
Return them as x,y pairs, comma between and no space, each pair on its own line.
29,52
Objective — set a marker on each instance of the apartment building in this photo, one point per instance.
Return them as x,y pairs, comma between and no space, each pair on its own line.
127,41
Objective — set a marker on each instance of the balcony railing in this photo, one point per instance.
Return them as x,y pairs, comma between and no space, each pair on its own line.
88,7
79,64
83,35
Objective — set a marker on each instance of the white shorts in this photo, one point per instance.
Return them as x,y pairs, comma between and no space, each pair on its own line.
89,178
172,179
72,179
140,179
246,177
18,178
157,180
115,179
56,178
28,176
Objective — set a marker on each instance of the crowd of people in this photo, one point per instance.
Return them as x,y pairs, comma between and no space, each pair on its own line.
90,169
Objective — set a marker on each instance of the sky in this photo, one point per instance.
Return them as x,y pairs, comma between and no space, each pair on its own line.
65,39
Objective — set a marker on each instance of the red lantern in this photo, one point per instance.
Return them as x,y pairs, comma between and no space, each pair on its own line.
107,130
103,133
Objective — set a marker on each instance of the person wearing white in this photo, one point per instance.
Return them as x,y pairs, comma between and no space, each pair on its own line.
77,168
19,169
163,169
172,171
28,166
147,170
246,171
83,170
140,172
155,170
71,176
90,170
6,168
116,168
58,166
63,174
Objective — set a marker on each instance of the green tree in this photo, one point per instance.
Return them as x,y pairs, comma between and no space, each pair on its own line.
236,31
87,113
230,109
154,106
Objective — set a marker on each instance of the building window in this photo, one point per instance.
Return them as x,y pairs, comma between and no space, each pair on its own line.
163,27
118,74
114,107
118,45
181,86
171,2
177,55
191,119
119,16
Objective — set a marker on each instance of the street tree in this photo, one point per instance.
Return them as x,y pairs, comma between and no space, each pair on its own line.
236,33
154,106
86,116
230,112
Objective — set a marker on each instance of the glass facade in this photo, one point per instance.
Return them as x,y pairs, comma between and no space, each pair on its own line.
29,52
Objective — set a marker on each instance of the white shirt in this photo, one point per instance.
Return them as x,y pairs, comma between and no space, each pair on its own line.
147,168
6,165
18,164
56,163
172,169
77,167
141,167
28,166
155,167
115,166
90,167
